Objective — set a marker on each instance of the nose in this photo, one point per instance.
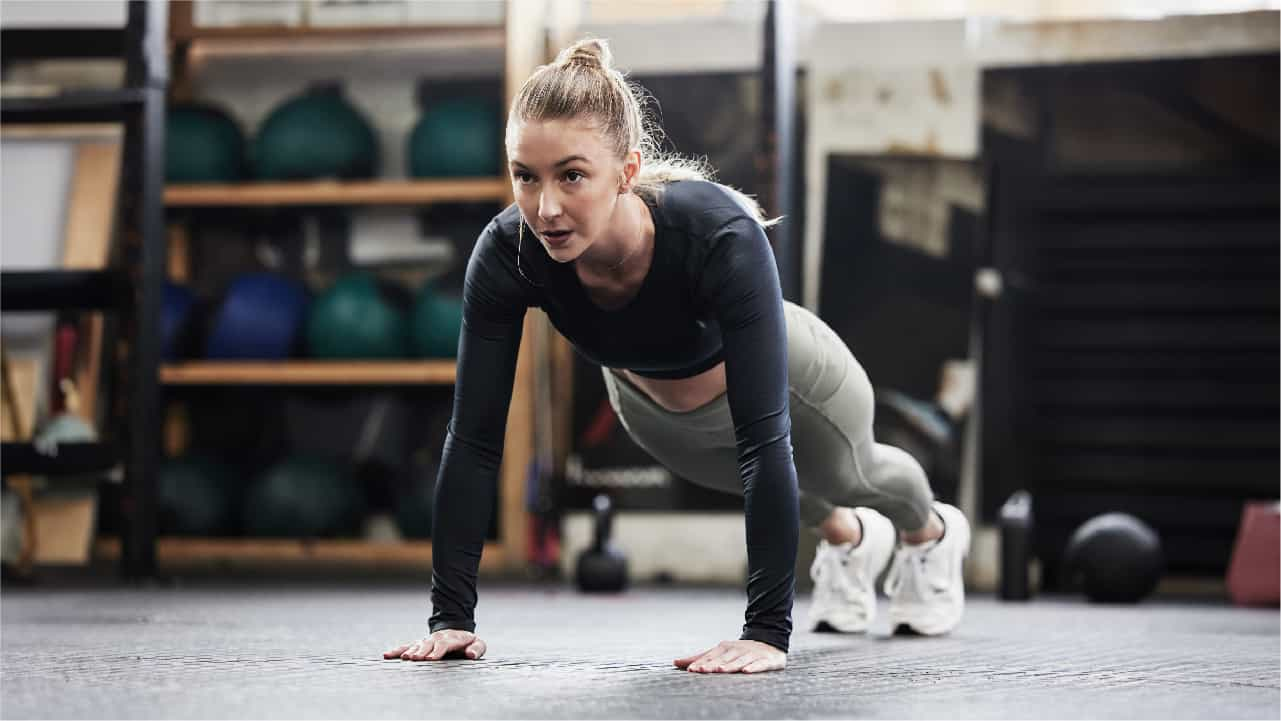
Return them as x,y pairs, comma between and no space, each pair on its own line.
548,205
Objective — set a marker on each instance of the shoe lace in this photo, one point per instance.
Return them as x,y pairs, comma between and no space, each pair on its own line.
911,568
828,574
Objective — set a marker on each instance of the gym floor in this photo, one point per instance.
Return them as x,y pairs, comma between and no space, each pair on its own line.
308,649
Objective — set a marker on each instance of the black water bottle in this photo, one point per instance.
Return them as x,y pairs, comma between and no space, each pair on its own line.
1016,546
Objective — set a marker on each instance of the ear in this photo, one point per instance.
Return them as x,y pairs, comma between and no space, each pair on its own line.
631,170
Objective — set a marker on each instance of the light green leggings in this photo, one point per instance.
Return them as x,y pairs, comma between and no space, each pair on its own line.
837,461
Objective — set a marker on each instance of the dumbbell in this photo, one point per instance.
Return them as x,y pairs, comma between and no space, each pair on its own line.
602,568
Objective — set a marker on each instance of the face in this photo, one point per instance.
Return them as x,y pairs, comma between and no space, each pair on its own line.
566,181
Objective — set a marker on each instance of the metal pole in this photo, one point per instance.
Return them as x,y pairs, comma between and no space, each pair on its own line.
779,102
149,72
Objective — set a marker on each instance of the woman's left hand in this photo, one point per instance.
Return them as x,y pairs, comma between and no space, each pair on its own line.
735,657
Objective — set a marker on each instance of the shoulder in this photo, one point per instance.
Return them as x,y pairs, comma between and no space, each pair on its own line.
498,239
501,230
507,222
723,244
494,273
699,207
708,215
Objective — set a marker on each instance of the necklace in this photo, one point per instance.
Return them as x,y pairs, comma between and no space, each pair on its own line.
630,255
627,257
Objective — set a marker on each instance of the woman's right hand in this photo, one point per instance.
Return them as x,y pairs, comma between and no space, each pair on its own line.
448,643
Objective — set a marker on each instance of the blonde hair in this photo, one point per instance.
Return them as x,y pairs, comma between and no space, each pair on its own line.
582,82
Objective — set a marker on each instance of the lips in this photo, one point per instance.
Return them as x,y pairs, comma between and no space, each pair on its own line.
556,237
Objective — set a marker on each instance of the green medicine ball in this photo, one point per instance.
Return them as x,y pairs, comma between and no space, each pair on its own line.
203,144
197,496
456,139
315,135
415,504
353,319
303,497
438,319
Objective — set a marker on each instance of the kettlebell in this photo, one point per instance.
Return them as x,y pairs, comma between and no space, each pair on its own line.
602,568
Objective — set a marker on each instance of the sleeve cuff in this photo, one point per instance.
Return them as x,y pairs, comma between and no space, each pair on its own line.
773,638
458,624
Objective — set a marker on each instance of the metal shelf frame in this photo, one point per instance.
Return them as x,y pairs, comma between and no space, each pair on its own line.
63,290
133,290
71,458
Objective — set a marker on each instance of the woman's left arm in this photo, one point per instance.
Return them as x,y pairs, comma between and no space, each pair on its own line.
740,281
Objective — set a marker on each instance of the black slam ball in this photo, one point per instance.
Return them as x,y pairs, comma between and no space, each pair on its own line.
1115,558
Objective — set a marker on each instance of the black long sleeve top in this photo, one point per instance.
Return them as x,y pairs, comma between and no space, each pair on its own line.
712,293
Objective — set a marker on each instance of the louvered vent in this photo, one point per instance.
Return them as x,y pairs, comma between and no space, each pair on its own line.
1146,358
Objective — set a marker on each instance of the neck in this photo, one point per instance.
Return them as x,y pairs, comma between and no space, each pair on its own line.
617,253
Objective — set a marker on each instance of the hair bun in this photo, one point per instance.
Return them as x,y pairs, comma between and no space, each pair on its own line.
590,52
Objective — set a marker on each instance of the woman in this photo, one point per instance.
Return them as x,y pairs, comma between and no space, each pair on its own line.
668,282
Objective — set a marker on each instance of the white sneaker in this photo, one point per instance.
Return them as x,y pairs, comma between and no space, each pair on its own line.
926,585
845,577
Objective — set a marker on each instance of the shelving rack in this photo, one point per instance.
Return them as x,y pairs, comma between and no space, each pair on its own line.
524,49
134,289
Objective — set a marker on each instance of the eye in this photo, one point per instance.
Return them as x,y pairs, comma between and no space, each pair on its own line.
522,177
574,176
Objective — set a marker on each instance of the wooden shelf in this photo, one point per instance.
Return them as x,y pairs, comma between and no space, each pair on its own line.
331,192
493,34
425,372
197,551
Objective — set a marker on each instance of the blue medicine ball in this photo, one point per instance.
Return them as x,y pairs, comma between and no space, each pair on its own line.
260,318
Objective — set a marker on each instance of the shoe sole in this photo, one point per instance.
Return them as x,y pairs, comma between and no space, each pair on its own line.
825,627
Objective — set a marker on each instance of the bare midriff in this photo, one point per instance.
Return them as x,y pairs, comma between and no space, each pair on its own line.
682,395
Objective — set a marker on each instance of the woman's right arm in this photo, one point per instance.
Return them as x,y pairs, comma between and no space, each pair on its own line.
494,304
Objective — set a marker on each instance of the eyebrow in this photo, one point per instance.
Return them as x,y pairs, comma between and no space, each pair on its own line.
566,161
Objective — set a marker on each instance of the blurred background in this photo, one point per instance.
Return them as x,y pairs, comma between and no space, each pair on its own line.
234,236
